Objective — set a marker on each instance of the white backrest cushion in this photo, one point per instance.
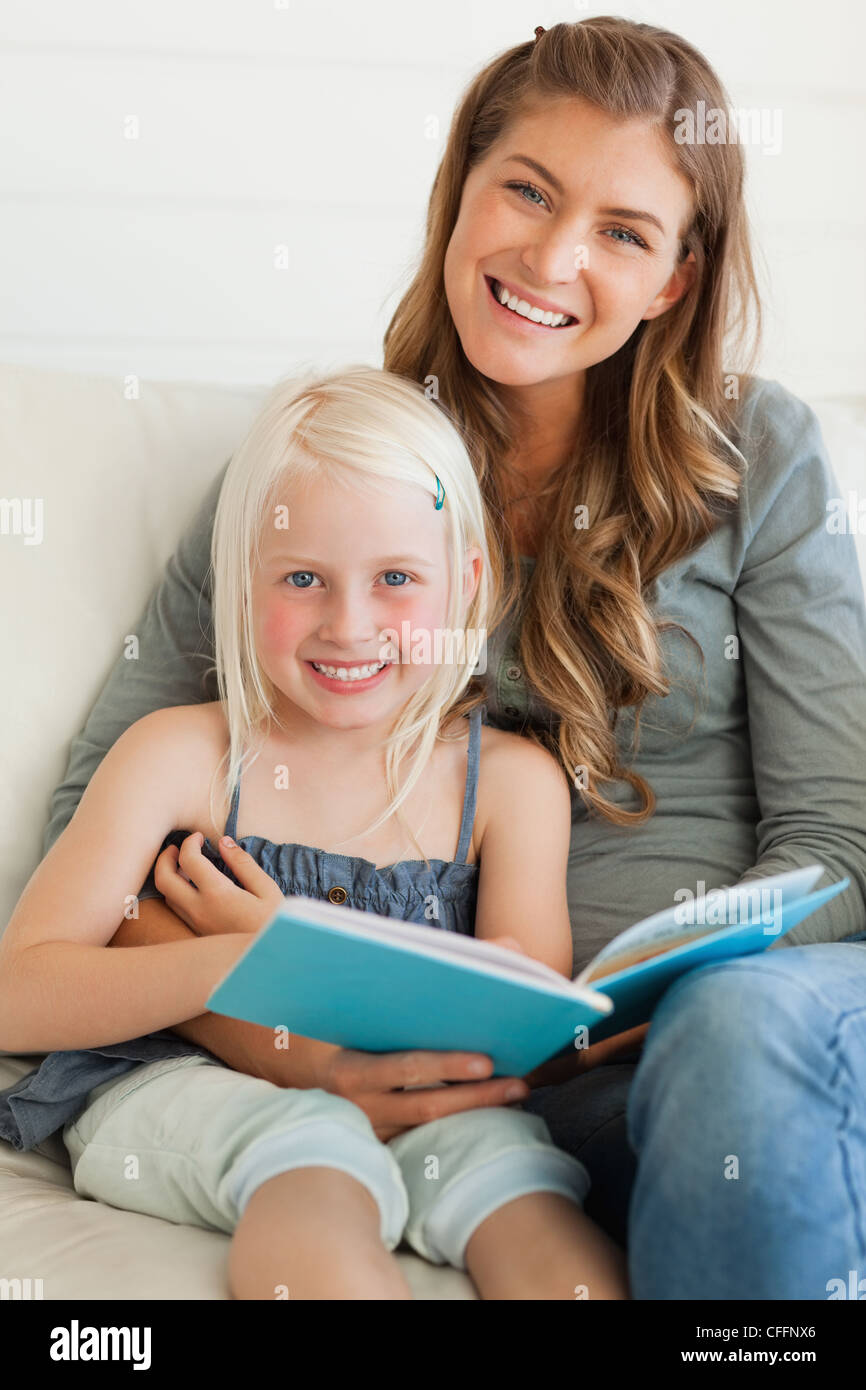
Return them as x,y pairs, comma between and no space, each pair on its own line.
119,482
843,425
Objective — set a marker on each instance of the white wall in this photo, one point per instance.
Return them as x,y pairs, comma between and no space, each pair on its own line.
305,124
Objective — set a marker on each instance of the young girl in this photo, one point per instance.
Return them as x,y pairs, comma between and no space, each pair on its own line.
349,549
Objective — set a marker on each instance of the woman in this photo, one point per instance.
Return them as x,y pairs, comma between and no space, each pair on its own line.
682,631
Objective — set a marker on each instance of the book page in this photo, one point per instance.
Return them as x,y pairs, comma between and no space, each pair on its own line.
759,900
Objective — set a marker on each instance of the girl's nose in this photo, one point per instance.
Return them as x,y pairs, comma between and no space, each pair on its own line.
348,623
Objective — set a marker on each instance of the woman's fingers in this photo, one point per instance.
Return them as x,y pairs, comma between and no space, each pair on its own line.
559,1069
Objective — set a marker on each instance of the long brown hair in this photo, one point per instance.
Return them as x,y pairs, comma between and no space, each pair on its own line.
657,471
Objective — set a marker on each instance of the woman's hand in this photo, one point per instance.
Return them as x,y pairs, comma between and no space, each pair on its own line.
205,898
560,1069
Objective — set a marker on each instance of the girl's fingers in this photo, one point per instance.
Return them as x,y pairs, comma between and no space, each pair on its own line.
413,1108
370,1071
245,869
200,871
170,881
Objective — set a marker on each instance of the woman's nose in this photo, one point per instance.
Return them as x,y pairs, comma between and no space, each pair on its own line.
557,260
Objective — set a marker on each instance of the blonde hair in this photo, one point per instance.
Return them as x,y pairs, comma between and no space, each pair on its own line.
652,461
367,429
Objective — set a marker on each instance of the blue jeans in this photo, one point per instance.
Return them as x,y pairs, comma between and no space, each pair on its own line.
730,1156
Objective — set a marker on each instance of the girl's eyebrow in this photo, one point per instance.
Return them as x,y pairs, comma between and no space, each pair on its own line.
633,213
386,560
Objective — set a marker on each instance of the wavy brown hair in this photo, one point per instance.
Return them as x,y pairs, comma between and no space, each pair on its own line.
657,471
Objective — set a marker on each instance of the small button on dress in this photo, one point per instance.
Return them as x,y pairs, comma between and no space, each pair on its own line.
338,895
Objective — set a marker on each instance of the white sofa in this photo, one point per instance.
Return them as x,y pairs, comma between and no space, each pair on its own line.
120,472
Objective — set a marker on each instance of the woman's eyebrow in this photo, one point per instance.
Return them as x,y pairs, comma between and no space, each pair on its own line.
633,213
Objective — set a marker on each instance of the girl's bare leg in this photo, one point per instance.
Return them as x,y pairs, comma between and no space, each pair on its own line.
542,1246
312,1233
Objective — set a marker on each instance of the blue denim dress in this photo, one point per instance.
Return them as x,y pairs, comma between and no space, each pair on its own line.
445,896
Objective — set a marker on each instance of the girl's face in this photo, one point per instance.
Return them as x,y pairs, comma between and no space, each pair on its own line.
571,211
345,570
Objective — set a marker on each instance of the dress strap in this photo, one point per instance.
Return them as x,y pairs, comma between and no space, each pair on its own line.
232,823
473,759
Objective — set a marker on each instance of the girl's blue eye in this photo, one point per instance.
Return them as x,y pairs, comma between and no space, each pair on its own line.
306,577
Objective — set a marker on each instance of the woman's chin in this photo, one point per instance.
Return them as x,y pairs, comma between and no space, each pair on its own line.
509,365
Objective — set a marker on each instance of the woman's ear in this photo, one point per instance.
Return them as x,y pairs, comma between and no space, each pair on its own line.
680,282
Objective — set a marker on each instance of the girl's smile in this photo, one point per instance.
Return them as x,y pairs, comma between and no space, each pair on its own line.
351,682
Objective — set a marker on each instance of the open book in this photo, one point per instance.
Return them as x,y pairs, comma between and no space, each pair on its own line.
383,985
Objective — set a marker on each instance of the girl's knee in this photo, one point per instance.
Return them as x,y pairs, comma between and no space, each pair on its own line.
466,1166
326,1131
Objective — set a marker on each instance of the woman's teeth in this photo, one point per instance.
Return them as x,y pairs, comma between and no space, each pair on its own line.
530,311
349,673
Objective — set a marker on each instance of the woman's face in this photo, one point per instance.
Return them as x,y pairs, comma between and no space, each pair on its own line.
578,235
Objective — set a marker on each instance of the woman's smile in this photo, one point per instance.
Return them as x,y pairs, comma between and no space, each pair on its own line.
528,309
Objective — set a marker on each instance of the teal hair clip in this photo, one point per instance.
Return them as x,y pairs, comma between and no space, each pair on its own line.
440,495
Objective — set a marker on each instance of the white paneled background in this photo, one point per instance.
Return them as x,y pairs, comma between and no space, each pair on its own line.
265,123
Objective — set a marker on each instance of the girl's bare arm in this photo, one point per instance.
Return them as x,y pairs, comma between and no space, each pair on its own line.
524,852
59,987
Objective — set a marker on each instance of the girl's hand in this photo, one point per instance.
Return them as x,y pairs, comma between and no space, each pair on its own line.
206,899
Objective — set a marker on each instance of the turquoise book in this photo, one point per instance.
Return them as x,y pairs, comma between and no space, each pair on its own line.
379,984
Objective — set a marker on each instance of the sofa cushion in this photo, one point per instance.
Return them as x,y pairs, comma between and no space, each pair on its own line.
80,1249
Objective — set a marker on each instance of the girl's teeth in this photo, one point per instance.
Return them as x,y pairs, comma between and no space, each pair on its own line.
351,673
528,311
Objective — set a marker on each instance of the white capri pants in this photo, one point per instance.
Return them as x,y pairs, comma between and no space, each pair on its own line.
190,1140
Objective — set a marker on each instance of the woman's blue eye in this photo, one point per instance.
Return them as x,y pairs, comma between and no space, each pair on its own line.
302,574
522,186
635,239
400,575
